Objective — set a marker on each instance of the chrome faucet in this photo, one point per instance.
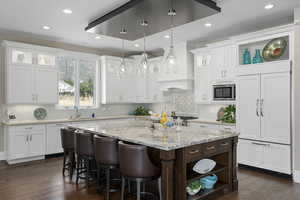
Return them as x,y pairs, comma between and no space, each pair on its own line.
77,113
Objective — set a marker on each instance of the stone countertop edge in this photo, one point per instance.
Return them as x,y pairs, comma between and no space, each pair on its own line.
37,122
233,134
200,121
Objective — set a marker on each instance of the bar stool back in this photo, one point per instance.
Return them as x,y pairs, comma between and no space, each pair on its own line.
68,145
85,155
107,158
136,165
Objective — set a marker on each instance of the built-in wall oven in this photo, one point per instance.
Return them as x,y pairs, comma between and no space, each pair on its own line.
225,92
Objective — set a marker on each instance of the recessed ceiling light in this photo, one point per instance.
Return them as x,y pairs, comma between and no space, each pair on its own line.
136,45
67,11
46,27
167,36
269,6
208,24
98,37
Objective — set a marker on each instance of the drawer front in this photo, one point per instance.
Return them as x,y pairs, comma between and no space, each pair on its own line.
29,128
210,148
224,145
193,153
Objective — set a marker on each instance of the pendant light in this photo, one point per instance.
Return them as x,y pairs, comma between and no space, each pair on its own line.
122,68
171,57
144,59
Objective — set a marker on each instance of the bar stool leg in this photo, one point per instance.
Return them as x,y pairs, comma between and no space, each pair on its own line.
64,164
88,173
78,169
159,189
107,183
72,164
129,187
138,189
123,188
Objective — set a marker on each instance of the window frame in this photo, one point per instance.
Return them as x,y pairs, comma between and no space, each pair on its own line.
88,58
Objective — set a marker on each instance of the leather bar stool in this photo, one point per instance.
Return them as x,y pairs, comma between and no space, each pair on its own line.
68,144
135,165
85,156
107,158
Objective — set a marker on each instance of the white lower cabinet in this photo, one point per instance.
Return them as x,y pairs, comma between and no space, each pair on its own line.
53,139
25,142
275,157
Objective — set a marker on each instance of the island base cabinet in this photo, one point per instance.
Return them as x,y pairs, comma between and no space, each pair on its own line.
25,143
274,157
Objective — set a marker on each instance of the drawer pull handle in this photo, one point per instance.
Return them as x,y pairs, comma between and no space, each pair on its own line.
211,148
202,126
194,151
225,144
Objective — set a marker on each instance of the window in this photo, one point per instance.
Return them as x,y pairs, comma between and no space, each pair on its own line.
77,82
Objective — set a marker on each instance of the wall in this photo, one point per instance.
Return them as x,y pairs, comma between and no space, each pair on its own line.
297,100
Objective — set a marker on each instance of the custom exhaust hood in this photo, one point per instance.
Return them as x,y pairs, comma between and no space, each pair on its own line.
155,12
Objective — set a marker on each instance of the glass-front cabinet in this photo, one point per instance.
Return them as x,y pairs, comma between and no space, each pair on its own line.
29,57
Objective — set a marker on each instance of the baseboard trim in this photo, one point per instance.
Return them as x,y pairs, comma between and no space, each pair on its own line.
2,156
23,160
296,176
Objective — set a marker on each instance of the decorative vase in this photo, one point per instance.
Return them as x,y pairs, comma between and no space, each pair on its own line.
257,58
246,57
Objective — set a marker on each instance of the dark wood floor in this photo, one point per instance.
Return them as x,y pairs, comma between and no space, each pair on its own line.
43,181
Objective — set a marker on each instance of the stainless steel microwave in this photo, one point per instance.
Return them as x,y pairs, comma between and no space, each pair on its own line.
224,92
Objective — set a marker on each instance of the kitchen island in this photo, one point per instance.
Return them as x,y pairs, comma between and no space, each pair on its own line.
179,151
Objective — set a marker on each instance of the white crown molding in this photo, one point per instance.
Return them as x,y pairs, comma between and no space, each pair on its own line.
296,176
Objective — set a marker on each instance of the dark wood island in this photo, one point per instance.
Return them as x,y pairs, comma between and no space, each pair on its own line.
178,153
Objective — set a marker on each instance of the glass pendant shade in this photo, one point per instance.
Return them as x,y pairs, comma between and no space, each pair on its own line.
171,58
144,61
123,66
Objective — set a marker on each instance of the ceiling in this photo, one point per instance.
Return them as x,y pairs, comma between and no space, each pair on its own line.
238,16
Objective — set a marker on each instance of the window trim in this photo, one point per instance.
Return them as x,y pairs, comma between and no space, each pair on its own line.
78,57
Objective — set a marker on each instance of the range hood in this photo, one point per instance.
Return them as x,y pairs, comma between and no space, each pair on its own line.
155,12
181,76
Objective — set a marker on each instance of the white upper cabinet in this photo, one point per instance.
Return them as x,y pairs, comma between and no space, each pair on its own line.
31,74
117,86
21,56
223,62
46,86
20,84
202,87
154,92
131,86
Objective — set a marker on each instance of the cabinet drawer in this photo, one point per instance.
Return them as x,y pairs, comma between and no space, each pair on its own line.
224,145
193,153
29,128
210,148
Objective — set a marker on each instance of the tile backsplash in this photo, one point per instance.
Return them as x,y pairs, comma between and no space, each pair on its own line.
183,101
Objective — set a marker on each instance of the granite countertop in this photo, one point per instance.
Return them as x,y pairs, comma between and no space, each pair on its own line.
203,121
53,121
167,140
